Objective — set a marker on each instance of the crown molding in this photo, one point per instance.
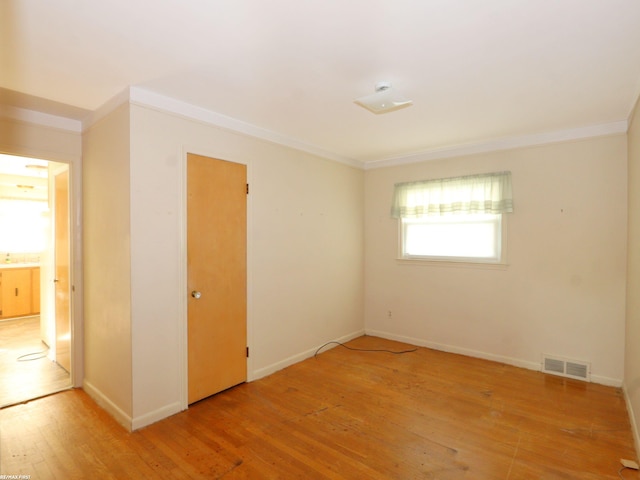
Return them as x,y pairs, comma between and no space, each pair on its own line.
635,105
507,143
105,109
40,118
144,97
147,98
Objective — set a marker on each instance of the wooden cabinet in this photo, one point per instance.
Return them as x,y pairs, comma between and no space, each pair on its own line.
19,291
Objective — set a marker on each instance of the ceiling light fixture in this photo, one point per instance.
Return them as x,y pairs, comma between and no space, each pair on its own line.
41,171
384,100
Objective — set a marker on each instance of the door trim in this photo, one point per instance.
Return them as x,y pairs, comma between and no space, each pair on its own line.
183,351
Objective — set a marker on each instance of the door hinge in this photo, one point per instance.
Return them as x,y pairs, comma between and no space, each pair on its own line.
247,189
247,352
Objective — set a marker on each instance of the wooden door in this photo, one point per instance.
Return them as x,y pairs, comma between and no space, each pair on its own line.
216,275
61,253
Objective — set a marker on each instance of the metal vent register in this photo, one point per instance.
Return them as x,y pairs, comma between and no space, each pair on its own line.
566,368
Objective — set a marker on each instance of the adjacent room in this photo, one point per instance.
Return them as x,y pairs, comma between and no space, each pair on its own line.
34,319
332,240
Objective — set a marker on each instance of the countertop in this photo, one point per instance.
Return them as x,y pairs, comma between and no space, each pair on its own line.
18,265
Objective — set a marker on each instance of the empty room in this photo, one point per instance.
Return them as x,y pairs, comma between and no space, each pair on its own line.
355,239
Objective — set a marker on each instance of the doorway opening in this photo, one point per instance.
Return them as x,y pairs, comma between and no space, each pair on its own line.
35,313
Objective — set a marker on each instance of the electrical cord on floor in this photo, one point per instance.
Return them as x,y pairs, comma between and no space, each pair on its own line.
622,469
365,349
28,357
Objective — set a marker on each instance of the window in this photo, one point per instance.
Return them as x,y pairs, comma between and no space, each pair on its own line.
456,237
455,219
23,224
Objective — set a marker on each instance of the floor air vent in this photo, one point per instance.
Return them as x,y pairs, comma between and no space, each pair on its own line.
566,368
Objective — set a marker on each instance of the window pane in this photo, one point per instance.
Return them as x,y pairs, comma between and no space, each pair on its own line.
23,226
466,236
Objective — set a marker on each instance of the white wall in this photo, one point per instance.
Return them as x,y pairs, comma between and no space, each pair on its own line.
563,292
632,350
107,264
305,252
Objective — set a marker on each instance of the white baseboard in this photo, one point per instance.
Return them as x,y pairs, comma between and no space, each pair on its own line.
516,362
608,381
105,402
155,416
268,370
632,419
128,422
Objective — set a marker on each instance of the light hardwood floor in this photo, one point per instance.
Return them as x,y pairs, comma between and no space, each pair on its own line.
343,415
35,375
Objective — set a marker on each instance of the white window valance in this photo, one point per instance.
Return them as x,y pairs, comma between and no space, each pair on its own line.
484,193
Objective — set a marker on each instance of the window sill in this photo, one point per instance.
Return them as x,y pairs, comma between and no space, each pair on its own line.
453,263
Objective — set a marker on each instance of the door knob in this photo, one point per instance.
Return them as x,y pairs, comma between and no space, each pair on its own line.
195,294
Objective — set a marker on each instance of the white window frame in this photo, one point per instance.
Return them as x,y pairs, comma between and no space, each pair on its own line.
498,257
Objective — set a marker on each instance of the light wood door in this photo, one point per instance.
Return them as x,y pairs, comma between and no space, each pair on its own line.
216,275
62,288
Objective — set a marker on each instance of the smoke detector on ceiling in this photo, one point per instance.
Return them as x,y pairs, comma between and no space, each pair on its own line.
384,100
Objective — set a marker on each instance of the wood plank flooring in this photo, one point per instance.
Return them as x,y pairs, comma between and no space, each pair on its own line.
342,415
35,375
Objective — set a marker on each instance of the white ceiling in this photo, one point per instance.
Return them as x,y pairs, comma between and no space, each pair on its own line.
476,70
23,178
